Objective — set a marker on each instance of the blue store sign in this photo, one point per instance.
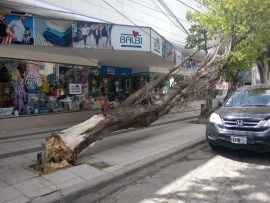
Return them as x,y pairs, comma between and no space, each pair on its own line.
112,70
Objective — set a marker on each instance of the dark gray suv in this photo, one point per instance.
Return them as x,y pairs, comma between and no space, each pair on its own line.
243,120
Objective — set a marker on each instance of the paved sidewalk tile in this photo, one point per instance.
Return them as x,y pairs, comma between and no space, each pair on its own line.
85,170
15,174
19,183
34,187
60,176
21,199
9,193
3,184
11,147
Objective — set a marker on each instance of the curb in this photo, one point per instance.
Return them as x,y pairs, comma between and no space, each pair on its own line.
72,193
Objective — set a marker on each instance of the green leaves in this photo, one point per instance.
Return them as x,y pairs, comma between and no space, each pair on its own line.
245,22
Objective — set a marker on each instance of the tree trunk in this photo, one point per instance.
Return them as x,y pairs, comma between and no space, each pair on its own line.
234,83
206,112
263,67
71,142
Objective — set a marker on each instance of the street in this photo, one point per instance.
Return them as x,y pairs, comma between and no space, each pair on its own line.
138,171
203,176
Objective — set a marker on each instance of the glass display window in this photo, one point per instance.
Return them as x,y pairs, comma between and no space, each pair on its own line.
141,79
29,87
113,88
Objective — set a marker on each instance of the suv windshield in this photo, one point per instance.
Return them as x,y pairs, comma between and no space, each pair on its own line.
257,97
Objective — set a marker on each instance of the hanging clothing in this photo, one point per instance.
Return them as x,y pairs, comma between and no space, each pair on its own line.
12,66
18,95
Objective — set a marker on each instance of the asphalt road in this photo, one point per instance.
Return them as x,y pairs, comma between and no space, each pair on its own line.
200,175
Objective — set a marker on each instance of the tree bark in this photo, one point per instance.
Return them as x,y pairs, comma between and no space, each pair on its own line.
234,83
205,113
263,67
72,141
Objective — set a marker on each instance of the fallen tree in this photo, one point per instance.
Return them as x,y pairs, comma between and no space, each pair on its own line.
131,114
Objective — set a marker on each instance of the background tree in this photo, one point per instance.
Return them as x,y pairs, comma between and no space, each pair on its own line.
245,22
263,65
199,38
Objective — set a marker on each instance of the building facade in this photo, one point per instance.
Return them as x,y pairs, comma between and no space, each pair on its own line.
66,61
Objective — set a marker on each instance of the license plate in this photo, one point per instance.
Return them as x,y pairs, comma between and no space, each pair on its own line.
239,140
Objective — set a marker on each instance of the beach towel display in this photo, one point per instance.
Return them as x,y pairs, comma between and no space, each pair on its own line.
56,107
32,78
74,106
58,33
18,95
6,111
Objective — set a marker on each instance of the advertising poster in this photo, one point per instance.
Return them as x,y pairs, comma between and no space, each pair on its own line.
130,38
17,30
168,51
91,35
156,45
50,32
178,57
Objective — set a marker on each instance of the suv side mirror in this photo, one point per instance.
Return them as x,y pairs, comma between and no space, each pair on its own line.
220,103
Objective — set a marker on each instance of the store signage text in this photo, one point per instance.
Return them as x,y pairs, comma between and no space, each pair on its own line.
75,88
133,40
222,86
110,70
32,80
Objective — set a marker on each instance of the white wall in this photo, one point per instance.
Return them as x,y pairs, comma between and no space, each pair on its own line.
140,12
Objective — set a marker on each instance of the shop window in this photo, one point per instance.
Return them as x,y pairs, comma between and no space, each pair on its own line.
141,79
28,87
115,89
4,88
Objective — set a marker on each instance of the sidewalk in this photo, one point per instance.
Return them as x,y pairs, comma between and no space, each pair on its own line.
123,152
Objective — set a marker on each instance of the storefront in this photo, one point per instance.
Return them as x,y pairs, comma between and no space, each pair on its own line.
63,71
31,88
141,79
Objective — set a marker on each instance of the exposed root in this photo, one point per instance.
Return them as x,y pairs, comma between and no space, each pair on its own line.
62,152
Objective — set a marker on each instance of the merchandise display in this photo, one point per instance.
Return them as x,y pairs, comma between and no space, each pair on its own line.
28,87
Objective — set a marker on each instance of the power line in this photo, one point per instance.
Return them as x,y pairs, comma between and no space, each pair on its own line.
47,9
61,11
27,6
182,28
188,6
130,21
157,10
201,3
153,1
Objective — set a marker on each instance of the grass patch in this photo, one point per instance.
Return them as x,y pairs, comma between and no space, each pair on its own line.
45,168
98,165
47,164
